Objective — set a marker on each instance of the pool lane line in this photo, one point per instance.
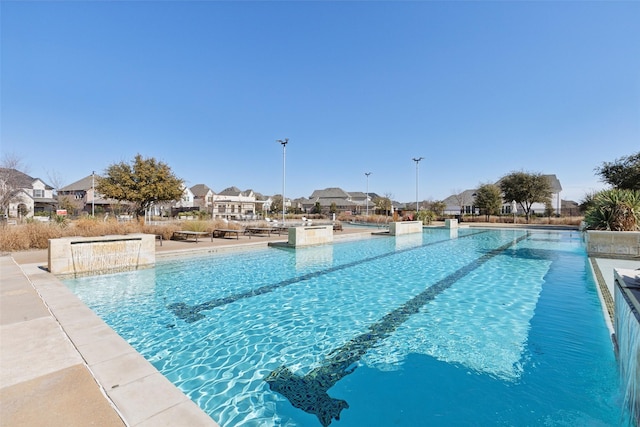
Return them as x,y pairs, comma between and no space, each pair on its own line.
192,314
309,392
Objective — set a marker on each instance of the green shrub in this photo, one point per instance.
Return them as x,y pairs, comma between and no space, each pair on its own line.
614,210
427,217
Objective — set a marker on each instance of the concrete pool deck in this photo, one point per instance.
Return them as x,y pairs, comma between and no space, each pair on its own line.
61,365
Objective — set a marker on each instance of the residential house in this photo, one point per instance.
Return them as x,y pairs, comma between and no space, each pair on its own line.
260,202
232,203
463,203
364,200
82,196
266,205
186,200
334,196
23,195
300,205
203,197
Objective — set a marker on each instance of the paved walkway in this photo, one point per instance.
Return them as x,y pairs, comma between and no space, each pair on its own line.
61,365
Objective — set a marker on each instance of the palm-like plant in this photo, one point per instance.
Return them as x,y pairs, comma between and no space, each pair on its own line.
614,210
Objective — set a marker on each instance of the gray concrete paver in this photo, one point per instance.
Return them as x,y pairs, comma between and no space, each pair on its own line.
34,348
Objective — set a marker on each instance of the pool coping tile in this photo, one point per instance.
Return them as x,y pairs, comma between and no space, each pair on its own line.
146,397
122,370
53,331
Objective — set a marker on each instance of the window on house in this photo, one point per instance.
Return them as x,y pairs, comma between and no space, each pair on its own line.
38,193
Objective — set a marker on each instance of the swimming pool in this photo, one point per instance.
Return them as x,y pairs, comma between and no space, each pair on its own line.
448,327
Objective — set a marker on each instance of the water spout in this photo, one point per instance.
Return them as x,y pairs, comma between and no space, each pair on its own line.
100,255
627,329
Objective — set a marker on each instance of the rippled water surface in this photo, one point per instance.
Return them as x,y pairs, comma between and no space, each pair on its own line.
467,327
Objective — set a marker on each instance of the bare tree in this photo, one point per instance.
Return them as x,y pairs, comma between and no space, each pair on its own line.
57,182
10,166
461,198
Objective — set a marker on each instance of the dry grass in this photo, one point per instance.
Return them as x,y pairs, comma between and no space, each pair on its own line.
36,235
28,236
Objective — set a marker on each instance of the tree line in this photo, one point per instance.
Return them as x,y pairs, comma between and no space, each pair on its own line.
146,181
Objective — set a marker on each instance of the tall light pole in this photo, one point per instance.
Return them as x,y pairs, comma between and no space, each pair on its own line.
367,199
417,160
93,193
284,143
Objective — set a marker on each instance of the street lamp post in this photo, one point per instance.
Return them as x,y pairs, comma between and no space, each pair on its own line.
284,143
417,160
367,199
93,193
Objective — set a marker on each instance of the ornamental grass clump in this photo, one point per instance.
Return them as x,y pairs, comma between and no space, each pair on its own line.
32,235
614,210
196,226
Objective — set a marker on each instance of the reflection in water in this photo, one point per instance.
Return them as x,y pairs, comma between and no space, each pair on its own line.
314,256
407,241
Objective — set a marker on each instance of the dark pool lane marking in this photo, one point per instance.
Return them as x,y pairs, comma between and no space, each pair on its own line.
192,314
309,392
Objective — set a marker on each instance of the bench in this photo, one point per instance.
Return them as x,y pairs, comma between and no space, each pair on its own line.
261,230
337,227
222,232
191,234
159,237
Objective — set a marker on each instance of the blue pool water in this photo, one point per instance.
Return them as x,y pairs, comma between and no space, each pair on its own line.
444,328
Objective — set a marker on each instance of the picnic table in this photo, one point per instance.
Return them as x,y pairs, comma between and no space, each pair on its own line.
191,234
222,232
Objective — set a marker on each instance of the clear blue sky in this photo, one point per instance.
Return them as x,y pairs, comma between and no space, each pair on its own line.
479,89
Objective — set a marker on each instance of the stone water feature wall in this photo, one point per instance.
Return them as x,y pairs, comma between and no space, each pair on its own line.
405,227
613,243
311,235
99,255
627,330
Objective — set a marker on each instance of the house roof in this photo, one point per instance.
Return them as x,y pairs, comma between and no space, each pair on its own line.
200,190
81,185
328,193
358,195
467,197
258,196
231,191
340,202
554,182
20,179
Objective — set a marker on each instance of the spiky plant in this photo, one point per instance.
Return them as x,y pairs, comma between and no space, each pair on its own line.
614,210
